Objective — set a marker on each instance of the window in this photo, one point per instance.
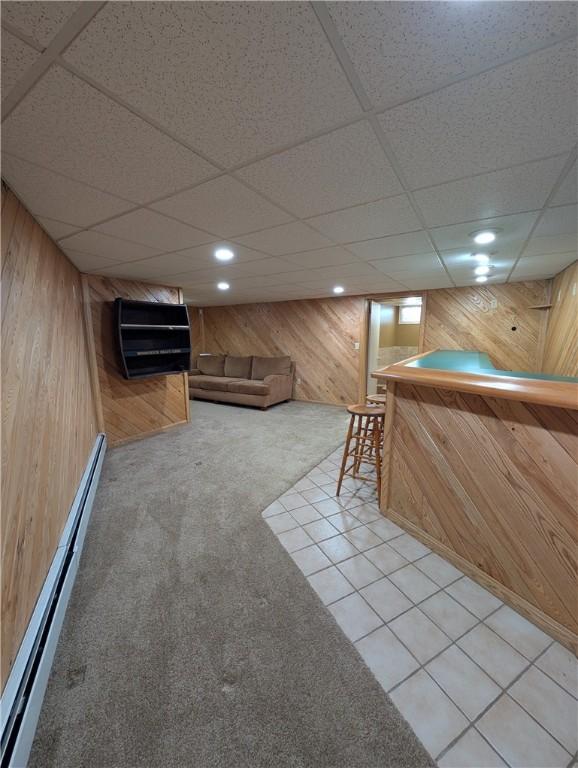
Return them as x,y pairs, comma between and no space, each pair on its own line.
409,315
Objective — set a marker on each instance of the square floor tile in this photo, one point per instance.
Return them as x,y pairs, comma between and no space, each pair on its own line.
471,751
473,597
344,521
438,569
319,477
303,485
463,681
550,705
314,494
276,508
409,547
295,539
561,666
280,523
367,512
310,560
330,490
359,571
304,515
448,615
522,634
386,599
326,465
386,558
348,500
389,661
320,529
333,473
354,616
419,634
330,585
328,507
293,501
431,714
338,548
518,739
363,538
494,655
386,529
413,583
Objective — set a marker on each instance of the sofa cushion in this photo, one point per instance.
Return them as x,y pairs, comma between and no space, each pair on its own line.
211,365
266,366
220,383
239,367
248,387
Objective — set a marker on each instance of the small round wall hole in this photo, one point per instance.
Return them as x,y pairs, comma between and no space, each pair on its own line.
514,327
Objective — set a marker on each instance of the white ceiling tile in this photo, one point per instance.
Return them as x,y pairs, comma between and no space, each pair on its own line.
556,232
342,168
235,80
324,257
203,256
56,229
17,57
462,279
567,191
402,49
88,262
425,282
551,244
460,261
415,264
39,20
523,188
153,229
92,139
161,267
512,229
56,197
394,245
223,206
546,265
515,113
288,238
100,244
392,216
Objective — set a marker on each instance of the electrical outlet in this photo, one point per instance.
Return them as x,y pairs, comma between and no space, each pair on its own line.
355,345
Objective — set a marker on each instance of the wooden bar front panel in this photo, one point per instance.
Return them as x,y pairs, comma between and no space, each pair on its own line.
493,481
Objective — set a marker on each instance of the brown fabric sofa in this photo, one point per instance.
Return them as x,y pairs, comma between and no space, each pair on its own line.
260,381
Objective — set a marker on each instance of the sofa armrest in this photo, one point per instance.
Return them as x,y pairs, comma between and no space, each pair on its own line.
280,387
194,372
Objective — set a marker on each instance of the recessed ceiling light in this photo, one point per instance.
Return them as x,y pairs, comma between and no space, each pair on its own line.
481,258
223,286
338,289
482,270
481,279
224,254
484,236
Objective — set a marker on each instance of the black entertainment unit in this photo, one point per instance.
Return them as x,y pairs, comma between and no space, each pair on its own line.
154,339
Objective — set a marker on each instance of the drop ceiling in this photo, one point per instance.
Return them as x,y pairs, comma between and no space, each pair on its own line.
356,143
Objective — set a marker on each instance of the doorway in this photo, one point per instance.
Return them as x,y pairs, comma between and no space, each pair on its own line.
394,332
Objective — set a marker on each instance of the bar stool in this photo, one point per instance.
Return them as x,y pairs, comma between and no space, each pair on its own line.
367,442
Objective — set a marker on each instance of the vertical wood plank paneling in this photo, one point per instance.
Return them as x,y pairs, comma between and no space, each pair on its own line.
49,421
561,344
493,481
131,409
482,318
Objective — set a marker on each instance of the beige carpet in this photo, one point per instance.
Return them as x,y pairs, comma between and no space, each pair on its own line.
189,639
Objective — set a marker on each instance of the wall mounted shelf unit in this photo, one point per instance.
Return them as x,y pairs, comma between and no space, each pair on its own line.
154,339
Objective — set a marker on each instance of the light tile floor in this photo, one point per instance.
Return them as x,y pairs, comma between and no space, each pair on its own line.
478,683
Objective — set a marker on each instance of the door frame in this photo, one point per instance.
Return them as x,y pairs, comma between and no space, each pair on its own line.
364,331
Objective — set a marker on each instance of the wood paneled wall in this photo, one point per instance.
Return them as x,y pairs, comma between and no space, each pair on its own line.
561,345
483,317
318,334
130,409
49,421
491,484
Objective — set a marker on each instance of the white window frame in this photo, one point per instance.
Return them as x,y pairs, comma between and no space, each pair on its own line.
401,321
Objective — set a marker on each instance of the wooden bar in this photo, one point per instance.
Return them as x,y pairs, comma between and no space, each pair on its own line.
483,469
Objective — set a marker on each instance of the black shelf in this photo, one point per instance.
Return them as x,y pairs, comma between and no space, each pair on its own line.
153,338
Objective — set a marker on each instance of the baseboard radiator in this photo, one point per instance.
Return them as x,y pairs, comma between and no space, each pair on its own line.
24,691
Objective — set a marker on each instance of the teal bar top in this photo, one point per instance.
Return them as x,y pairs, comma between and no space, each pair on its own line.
471,361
